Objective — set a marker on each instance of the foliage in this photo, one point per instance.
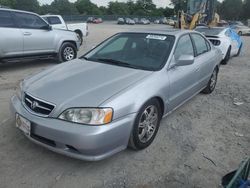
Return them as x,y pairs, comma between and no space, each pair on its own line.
228,9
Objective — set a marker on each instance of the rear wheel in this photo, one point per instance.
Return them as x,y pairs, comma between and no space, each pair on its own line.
227,57
212,82
67,52
146,125
240,33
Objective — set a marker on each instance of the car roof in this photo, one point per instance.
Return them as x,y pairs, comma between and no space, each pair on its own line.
174,32
14,10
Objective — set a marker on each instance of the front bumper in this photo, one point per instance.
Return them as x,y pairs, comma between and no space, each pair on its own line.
83,142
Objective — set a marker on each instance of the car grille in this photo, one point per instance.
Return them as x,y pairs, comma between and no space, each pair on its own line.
215,42
38,106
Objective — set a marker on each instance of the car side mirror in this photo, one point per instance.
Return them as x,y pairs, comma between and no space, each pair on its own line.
184,60
47,27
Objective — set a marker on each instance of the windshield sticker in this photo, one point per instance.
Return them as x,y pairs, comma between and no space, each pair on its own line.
156,37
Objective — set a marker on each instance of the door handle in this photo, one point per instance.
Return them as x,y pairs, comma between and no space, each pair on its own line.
27,33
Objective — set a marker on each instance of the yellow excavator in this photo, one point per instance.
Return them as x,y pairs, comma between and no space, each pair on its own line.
199,12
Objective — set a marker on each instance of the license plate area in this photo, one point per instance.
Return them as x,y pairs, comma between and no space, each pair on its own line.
23,124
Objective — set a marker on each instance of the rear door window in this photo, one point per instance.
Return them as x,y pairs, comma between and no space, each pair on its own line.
6,19
53,20
201,45
29,21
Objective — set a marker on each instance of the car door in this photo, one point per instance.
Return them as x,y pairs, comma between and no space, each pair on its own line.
11,38
204,58
182,79
38,38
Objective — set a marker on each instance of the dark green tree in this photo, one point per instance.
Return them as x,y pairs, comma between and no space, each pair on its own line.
118,8
246,10
63,7
231,9
87,7
8,3
28,5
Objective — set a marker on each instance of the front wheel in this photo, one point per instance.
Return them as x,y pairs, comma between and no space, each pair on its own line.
67,52
212,82
240,33
146,125
239,51
227,57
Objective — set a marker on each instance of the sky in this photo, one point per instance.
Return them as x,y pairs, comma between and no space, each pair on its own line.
159,3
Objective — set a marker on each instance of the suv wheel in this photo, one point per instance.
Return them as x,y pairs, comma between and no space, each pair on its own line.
146,125
67,52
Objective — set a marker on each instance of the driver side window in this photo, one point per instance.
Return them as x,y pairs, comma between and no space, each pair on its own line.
184,47
29,21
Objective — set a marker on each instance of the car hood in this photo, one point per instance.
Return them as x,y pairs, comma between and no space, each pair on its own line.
81,83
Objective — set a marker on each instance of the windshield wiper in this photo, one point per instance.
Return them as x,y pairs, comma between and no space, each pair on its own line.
116,62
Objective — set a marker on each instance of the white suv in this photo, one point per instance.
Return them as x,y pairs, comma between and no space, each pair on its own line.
25,35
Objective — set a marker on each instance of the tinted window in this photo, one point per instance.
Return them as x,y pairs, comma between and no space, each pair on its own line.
200,44
6,19
53,20
30,21
184,47
135,50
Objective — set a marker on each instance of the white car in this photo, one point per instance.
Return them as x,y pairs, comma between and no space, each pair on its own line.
241,29
57,22
225,39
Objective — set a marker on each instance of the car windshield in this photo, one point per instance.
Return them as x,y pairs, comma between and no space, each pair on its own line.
208,31
135,50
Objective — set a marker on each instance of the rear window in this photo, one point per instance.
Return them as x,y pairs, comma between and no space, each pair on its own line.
53,20
211,31
6,19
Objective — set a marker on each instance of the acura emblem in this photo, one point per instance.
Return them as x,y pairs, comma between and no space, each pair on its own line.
34,105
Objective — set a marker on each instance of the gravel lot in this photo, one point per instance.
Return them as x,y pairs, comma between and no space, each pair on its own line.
195,146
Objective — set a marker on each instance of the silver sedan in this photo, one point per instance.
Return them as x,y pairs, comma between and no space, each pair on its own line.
115,95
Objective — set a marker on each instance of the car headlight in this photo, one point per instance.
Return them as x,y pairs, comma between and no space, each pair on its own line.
19,90
90,116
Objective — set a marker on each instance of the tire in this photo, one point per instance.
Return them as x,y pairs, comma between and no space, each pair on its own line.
240,33
67,52
146,126
227,57
212,82
79,33
239,51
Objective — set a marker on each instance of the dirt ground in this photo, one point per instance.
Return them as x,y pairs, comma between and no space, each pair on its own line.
195,146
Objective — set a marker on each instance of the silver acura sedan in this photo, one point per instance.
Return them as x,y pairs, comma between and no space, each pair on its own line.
115,95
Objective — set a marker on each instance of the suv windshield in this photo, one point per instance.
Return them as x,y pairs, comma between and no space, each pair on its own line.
136,50
208,31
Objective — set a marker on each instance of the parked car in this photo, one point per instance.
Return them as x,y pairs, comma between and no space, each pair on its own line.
116,94
171,22
57,22
129,21
25,35
163,20
241,29
97,20
90,19
224,39
121,21
156,21
144,21
136,20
